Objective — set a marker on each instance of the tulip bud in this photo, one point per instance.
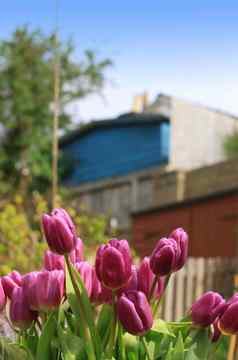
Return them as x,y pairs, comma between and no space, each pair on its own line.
64,215
53,261
90,280
20,314
181,238
77,254
59,231
207,308
164,256
113,264
3,298
228,322
10,281
145,279
105,295
132,284
44,289
134,312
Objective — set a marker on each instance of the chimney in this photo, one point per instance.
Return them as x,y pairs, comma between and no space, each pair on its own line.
140,102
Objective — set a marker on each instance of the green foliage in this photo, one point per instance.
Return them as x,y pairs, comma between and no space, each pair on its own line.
231,145
26,95
21,241
20,245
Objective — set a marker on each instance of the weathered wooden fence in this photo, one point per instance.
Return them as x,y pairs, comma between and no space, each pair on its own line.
197,276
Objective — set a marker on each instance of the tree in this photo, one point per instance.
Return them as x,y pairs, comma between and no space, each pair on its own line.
26,95
231,145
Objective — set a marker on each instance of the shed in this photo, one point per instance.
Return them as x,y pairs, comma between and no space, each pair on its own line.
109,148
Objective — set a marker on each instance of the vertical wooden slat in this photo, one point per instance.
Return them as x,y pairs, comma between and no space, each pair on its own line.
168,311
179,305
190,281
200,277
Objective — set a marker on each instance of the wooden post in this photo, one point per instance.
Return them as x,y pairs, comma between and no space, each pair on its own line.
55,140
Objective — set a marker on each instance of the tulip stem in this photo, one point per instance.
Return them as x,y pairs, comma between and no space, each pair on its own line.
153,286
114,325
146,348
162,295
90,349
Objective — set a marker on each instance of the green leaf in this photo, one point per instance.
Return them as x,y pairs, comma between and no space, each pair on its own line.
104,319
162,327
179,349
191,355
74,304
89,315
169,355
47,334
10,351
201,343
159,328
72,346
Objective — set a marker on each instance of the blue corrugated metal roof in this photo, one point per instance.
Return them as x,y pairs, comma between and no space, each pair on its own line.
129,119
119,149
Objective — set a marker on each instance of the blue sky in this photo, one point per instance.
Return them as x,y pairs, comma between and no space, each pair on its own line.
184,48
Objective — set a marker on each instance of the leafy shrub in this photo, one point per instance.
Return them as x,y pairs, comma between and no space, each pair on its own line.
21,241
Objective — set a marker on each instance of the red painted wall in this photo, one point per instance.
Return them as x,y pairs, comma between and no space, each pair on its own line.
212,226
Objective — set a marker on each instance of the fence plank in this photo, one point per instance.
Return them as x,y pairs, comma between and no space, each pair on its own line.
168,311
197,276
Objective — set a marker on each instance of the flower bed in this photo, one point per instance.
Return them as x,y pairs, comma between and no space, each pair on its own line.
73,310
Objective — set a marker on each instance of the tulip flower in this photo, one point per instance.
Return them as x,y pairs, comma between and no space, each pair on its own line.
3,298
53,261
44,289
134,312
228,322
90,280
10,281
64,215
105,295
114,264
207,308
145,279
59,232
181,238
164,257
20,314
77,254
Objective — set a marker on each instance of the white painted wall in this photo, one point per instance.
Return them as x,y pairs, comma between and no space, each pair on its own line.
197,132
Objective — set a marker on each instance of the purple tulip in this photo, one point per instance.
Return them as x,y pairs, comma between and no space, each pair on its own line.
63,214
207,308
10,281
164,257
181,237
44,289
132,284
90,280
3,298
77,254
59,231
114,264
134,312
145,279
20,314
53,261
228,322
105,295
